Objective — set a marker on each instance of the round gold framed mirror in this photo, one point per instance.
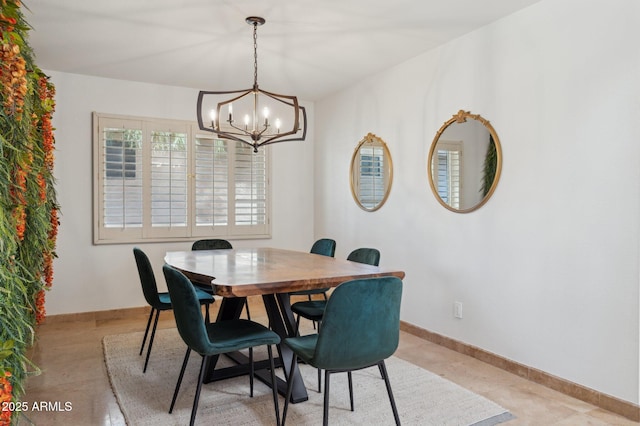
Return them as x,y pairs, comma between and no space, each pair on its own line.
371,173
464,162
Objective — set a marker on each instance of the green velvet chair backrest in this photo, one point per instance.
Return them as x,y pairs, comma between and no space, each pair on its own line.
147,279
186,310
370,256
212,244
325,247
361,324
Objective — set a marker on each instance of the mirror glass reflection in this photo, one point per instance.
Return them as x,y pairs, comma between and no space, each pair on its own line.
371,173
465,160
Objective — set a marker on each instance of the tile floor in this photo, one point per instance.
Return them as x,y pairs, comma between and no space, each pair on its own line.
73,370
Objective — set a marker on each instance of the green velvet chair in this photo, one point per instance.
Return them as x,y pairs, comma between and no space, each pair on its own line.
360,329
324,247
158,301
370,256
209,339
215,244
211,244
313,310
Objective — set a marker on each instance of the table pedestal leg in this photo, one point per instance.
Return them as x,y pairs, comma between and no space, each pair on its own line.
281,321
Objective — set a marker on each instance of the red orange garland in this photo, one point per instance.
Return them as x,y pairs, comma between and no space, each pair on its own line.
48,268
20,218
46,92
13,74
17,193
30,189
42,184
41,312
6,396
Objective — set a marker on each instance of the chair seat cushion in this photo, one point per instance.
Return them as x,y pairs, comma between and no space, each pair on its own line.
165,301
310,309
206,288
203,296
303,346
237,334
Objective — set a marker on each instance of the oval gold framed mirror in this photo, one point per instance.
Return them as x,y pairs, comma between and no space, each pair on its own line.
371,173
464,162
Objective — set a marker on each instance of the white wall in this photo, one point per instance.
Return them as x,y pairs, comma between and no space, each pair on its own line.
548,269
93,278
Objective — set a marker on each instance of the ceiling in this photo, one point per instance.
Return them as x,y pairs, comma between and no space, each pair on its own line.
307,48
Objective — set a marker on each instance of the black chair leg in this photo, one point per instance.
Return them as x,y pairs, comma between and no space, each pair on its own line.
175,392
350,389
325,409
207,319
314,323
246,306
194,410
292,374
153,334
146,331
274,385
298,325
319,370
251,373
383,370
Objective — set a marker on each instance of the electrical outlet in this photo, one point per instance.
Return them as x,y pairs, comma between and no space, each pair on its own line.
457,309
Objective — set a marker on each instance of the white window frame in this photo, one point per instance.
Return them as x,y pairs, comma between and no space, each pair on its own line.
260,223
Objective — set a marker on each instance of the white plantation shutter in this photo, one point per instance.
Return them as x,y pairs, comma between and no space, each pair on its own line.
250,182
211,185
119,174
371,188
448,168
168,182
159,180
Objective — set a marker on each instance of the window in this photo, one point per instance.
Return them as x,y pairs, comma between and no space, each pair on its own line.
447,170
161,180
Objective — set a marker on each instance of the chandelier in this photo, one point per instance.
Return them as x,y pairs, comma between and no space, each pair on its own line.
265,117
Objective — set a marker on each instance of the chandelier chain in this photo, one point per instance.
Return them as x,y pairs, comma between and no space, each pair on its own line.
255,54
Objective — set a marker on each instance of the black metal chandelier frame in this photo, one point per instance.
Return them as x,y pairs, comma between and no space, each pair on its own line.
257,135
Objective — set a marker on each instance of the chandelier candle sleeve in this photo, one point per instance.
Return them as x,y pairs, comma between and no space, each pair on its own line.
290,117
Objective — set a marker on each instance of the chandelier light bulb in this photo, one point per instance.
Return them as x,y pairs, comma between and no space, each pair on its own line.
212,114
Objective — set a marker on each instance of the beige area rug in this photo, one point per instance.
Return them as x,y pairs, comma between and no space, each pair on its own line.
423,398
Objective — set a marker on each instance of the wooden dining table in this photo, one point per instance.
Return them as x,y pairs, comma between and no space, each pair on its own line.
271,273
